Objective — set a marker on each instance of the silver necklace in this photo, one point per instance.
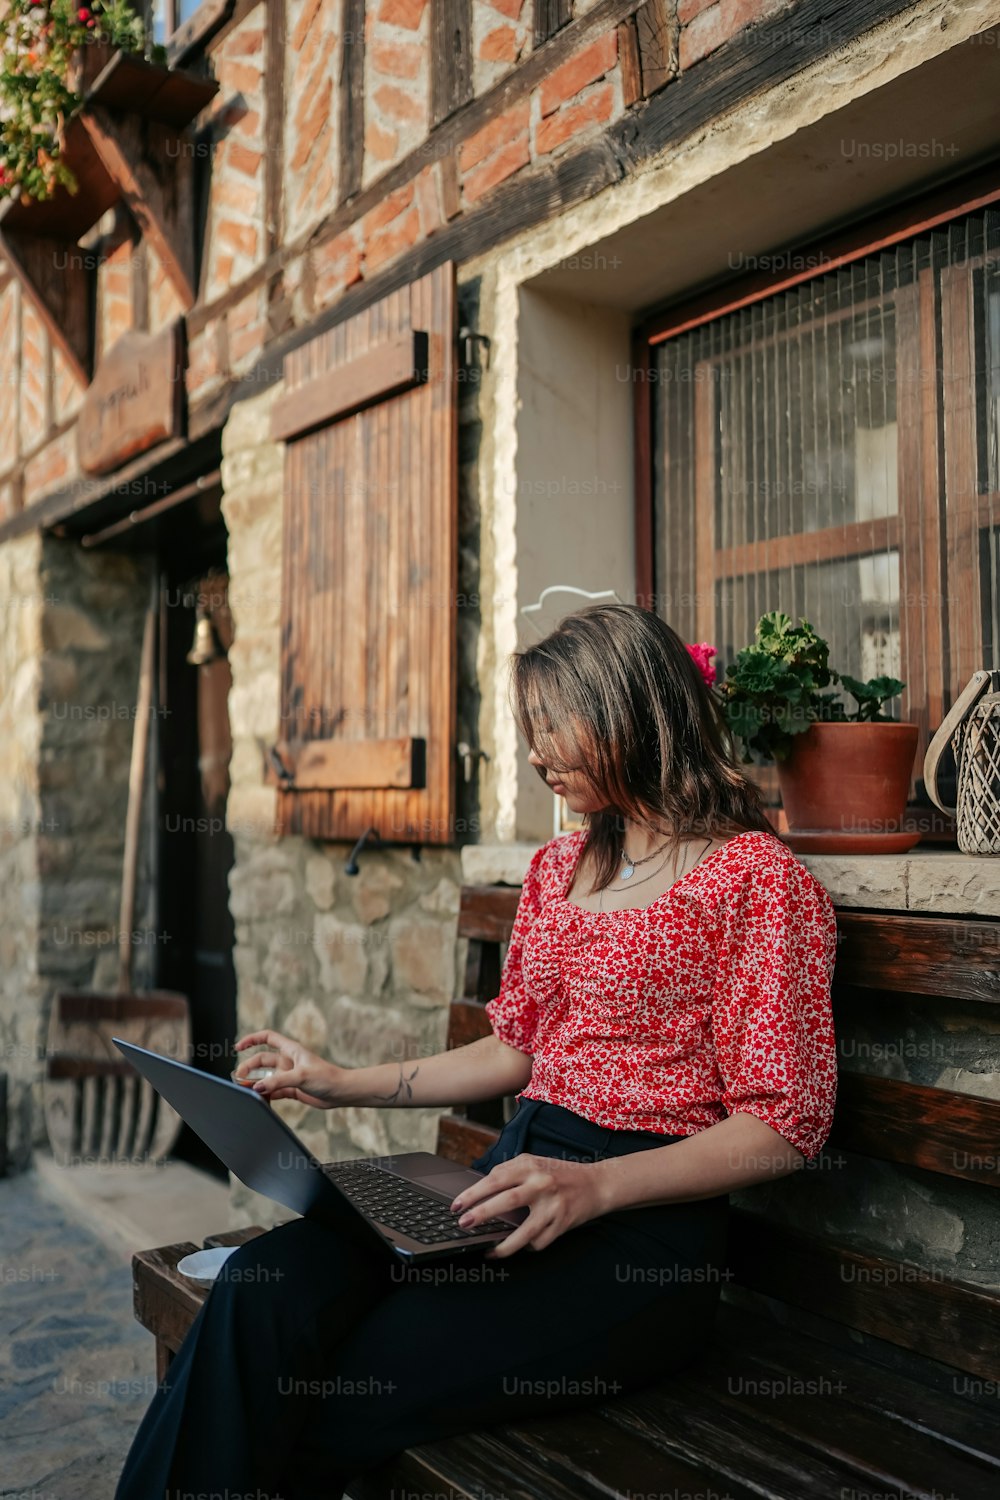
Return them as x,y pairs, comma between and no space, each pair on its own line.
645,878
643,881
629,866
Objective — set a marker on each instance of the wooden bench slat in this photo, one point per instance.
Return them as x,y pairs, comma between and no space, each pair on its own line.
903,1398
233,1236
912,1124
486,912
785,1397
473,1466
467,1022
919,955
59,1065
945,1319
463,1140
730,1442
83,1008
165,1301
582,1447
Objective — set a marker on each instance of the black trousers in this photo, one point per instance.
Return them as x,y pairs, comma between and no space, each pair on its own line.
313,1360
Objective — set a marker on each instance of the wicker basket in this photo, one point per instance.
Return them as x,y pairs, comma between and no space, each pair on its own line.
972,732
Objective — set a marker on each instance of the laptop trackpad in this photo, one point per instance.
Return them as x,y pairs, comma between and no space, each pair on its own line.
448,1183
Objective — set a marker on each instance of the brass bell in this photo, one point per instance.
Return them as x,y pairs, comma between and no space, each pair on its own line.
206,646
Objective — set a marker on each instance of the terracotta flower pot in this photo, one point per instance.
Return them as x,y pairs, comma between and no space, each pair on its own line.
848,779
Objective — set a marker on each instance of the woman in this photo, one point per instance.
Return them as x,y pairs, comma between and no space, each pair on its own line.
664,1019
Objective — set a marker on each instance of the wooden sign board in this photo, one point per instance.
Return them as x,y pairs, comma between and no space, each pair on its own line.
134,402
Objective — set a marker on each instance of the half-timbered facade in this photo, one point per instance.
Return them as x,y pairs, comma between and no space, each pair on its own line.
373,321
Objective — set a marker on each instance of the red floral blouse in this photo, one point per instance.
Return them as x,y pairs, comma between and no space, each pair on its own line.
713,999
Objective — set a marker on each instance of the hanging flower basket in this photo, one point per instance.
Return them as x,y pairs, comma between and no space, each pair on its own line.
53,51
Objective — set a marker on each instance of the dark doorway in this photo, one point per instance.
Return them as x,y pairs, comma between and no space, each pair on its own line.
195,848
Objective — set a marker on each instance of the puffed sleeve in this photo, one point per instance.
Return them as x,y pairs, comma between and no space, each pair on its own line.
772,1020
513,1014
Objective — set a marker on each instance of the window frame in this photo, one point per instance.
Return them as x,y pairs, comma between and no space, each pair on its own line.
790,267
183,37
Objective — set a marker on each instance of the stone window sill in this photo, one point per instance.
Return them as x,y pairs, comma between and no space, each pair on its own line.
930,882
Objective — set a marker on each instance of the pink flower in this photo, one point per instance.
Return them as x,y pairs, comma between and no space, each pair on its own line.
702,655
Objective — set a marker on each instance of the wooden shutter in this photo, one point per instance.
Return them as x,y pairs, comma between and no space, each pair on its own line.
368,644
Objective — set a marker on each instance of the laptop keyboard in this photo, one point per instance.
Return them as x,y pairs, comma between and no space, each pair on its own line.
401,1205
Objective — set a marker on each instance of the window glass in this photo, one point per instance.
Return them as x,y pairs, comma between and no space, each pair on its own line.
833,451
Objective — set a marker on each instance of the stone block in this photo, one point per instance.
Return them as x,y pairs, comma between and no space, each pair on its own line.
365,1034
306,1023
422,955
373,889
496,864
257,1007
319,881
59,677
65,627
343,958
413,1129
443,900
290,964
367,1130
259,893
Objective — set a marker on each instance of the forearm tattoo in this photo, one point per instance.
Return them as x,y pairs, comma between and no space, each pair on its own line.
403,1092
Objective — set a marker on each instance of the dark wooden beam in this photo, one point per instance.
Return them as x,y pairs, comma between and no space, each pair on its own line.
274,124
656,36
451,57
351,100
629,63
136,152
550,16
84,505
55,278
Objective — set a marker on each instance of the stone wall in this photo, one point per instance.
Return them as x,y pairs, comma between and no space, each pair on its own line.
69,661
91,637
359,968
20,813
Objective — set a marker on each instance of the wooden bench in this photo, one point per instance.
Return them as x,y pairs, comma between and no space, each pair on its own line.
832,1372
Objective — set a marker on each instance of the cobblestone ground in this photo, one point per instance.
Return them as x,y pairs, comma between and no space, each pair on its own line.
76,1370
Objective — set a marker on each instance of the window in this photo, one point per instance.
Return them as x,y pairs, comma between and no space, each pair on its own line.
167,16
832,450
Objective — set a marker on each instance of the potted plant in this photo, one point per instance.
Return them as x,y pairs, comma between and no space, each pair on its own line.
52,50
843,769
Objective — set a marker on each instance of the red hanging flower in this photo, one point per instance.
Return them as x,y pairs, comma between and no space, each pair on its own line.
702,654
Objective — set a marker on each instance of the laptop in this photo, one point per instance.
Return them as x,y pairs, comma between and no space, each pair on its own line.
402,1202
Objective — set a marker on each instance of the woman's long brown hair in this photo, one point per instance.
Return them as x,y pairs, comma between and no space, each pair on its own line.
616,684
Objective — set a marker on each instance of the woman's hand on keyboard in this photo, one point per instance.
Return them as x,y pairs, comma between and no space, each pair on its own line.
298,1073
558,1195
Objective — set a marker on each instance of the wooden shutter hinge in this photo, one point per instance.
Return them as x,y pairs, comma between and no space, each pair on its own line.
469,757
276,773
470,338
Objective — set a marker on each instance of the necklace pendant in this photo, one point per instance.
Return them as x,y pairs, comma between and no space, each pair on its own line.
627,871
